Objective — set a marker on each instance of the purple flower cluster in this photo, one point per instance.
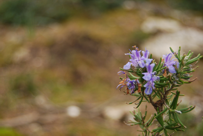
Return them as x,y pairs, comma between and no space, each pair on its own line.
130,84
170,63
150,77
137,60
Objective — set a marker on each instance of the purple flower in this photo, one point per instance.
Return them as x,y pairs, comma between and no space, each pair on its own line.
149,86
170,63
145,54
127,66
123,82
137,60
130,84
177,64
150,77
120,72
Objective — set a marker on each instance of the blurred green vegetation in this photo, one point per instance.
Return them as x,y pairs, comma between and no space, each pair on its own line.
29,12
138,37
22,85
42,12
100,5
195,5
87,127
8,132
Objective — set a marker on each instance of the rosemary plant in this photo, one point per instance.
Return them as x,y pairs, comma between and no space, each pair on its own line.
157,84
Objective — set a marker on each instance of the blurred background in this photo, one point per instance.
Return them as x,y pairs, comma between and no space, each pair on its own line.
59,61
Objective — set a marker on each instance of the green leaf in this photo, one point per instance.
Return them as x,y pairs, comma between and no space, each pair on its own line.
158,86
179,129
169,97
193,60
175,54
140,102
158,66
172,126
150,56
161,84
177,85
159,129
181,62
160,119
136,123
139,73
129,55
179,95
186,77
132,77
172,50
185,110
177,120
170,117
135,100
157,93
165,132
145,112
125,70
161,69
179,51
175,100
189,55
154,95
149,122
137,118
136,94
163,79
189,52
146,98
162,112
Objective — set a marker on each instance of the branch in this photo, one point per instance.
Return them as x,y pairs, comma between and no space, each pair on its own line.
152,102
170,88
166,92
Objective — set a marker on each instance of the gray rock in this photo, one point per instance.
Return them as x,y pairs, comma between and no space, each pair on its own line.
118,113
73,111
154,24
187,38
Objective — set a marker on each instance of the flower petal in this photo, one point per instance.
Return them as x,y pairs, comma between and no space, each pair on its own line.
120,72
172,69
150,68
145,54
147,76
138,54
141,63
148,90
168,57
155,78
127,66
118,86
148,61
134,63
